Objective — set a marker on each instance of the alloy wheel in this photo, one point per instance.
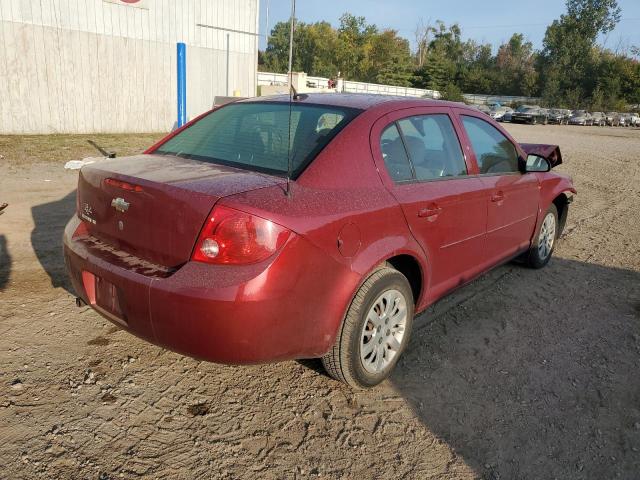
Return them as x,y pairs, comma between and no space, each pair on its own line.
383,331
547,236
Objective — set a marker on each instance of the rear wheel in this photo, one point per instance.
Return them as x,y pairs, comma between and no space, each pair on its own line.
542,248
374,332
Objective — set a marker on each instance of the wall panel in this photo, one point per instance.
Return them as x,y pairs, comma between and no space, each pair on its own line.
88,66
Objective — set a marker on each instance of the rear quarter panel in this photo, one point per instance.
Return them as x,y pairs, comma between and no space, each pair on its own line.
340,205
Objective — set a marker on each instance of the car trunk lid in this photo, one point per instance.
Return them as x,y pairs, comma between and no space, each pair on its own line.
154,206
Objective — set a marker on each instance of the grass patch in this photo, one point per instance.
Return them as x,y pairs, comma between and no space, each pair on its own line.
26,150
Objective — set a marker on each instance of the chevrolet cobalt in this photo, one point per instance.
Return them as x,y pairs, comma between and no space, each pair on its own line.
273,229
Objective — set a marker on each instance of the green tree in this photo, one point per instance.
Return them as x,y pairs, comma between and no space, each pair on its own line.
452,92
387,60
568,53
353,36
443,58
571,70
516,62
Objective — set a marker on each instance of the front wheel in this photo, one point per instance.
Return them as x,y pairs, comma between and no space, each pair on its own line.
542,248
374,332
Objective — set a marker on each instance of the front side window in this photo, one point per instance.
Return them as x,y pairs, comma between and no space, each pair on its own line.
260,136
494,152
433,146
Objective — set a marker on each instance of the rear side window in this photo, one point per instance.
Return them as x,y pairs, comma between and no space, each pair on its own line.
395,155
433,146
494,152
259,136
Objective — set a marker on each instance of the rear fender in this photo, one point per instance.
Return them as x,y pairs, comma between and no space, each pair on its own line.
378,252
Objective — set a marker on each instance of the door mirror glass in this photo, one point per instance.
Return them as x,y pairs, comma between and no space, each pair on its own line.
537,164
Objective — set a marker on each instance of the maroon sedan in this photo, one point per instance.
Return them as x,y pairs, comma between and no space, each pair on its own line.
203,245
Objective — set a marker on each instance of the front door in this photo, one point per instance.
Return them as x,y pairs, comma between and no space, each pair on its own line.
512,197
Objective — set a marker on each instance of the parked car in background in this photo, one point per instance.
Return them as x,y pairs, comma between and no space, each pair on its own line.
497,113
559,116
484,109
531,115
612,119
229,244
632,119
599,119
507,116
623,120
580,117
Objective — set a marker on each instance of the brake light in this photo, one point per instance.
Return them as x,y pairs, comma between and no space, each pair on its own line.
234,237
112,182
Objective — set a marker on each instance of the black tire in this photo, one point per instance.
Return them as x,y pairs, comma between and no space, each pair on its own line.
342,361
534,121
535,257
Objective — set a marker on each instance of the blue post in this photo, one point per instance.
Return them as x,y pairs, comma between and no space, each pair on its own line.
182,84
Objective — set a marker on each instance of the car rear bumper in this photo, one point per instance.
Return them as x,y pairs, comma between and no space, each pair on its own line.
270,311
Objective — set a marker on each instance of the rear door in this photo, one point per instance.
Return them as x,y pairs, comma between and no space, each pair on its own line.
421,162
511,196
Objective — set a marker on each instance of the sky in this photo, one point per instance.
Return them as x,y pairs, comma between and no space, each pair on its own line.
488,21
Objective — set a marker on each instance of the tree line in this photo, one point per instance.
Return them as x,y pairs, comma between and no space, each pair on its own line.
571,70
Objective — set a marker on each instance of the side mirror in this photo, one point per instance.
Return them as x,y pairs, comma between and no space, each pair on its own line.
536,163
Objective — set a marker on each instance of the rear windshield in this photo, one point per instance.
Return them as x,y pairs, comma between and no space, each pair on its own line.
259,136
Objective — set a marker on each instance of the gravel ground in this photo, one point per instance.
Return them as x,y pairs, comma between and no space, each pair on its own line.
521,375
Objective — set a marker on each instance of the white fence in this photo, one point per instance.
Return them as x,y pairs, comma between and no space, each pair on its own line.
477,99
88,66
268,78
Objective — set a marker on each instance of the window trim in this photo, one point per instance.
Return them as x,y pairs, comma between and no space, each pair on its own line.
406,152
404,148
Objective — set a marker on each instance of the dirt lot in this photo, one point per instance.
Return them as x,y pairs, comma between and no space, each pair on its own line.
521,375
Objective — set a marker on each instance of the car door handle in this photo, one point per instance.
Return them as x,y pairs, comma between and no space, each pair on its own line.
497,197
431,211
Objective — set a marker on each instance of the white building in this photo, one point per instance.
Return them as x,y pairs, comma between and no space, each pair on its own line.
87,66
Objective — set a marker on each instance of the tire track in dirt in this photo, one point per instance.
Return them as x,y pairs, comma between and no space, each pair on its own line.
521,374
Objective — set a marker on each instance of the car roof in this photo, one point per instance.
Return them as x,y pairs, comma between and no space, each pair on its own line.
362,101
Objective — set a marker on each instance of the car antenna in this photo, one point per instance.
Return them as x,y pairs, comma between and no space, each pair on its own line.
101,150
293,94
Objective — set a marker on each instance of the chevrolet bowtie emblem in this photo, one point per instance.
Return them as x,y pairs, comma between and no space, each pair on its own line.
120,204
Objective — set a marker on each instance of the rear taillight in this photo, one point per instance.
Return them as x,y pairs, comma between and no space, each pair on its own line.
234,237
